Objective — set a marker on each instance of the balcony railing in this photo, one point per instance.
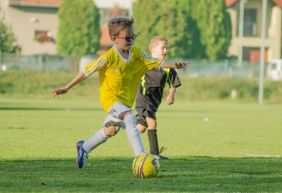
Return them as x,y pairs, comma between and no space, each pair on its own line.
36,3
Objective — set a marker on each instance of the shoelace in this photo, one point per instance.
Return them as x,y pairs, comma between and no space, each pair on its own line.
85,155
163,149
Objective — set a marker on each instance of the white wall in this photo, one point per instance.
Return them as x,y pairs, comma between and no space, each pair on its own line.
25,21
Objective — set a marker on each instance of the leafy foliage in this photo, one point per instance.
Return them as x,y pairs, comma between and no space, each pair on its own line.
7,39
195,29
79,28
165,21
27,83
214,23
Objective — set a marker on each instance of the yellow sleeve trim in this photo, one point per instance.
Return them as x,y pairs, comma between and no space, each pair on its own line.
95,66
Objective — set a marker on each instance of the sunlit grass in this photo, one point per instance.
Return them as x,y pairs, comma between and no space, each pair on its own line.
214,147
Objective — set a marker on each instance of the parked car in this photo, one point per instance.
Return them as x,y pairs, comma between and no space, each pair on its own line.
38,62
274,70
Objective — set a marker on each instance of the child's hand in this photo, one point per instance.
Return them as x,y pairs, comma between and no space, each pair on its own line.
58,91
170,99
181,64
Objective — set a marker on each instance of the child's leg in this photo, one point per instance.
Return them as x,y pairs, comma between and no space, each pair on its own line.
121,112
152,135
98,138
141,124
141,128
133,134
111,127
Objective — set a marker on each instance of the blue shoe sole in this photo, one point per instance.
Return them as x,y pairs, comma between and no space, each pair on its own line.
79,159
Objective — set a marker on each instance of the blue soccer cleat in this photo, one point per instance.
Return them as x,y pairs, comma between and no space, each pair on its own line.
81,154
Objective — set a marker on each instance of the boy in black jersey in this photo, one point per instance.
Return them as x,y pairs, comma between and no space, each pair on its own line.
150,92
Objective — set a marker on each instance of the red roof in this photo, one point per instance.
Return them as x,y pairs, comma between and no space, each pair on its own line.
278,2
50,3
229,3
105,39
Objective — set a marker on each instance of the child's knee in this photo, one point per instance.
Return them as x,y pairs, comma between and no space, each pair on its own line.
130,121
152,123
141,128
111,130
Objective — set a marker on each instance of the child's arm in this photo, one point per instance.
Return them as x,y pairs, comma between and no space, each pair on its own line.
61,90
170,96
166,64
162,63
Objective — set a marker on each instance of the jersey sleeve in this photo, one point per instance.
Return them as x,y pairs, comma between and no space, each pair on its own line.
173,78
95,65
149,61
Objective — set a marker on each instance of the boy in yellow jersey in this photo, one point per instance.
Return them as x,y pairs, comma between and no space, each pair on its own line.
150,93
120,71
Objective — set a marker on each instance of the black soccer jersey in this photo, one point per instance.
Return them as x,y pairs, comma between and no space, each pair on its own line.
151,88
158,78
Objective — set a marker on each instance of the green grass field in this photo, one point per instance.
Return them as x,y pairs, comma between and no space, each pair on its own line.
213,147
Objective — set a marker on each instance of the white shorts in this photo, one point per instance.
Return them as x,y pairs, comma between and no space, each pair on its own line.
114,113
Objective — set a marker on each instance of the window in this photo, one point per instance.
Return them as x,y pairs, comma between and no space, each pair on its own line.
43,36
253,54
273,66
250,22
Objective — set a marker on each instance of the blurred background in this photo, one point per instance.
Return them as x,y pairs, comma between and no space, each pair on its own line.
234,46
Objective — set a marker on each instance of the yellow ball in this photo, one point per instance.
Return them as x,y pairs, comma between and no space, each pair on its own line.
145,165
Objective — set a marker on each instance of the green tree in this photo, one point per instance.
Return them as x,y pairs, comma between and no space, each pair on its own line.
7,39
195,29
191,41
79,28
214,23
171,19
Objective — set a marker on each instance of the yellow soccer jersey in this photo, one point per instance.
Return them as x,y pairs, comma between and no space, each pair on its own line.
119,77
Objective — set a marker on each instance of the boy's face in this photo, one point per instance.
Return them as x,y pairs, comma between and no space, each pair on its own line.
125,38
159,50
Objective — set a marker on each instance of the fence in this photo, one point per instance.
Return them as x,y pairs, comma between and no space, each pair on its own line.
196,68
33,62
227,68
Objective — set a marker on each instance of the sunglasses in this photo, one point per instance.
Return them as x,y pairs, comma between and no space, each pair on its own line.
128,38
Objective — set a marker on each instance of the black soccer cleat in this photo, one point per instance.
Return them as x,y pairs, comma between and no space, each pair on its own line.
160,157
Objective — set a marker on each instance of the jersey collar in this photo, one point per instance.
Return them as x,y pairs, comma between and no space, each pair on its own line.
126,60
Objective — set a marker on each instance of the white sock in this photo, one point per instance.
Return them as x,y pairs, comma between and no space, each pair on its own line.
133,134
98,138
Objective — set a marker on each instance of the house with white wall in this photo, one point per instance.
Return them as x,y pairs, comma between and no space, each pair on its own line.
35,22
252,29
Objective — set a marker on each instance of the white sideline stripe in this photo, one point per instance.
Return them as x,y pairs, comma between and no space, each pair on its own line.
263,155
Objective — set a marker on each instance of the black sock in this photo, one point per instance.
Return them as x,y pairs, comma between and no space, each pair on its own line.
153,141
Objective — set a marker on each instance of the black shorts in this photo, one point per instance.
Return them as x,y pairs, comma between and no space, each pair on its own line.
141,117
147,106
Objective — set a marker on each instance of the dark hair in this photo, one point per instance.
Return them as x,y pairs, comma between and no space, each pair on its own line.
119,23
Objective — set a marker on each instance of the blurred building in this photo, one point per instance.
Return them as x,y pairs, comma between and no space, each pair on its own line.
35,22
252,29
108,9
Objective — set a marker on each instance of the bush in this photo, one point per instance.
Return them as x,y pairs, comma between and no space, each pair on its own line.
218,88
210,88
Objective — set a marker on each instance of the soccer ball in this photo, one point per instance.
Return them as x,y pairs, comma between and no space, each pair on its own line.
145,165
